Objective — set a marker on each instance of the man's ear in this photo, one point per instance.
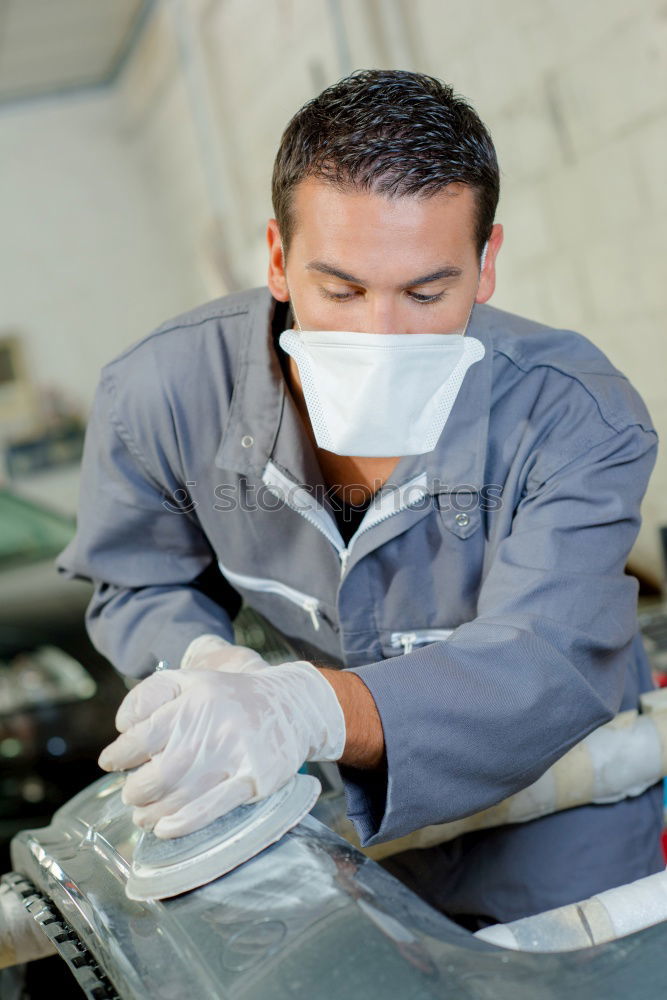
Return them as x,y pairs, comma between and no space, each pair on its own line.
487,281
277,280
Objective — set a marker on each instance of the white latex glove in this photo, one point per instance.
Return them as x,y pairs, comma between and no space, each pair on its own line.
210,741
212,652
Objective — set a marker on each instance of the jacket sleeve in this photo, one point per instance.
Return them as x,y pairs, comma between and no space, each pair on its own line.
139,542
473,719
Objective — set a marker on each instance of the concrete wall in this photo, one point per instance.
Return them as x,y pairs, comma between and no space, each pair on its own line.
575,95
88,261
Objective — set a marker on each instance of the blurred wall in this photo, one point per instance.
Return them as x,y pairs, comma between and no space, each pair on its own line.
574,93
87,259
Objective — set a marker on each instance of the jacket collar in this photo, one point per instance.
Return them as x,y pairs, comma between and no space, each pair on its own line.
262,412
257,399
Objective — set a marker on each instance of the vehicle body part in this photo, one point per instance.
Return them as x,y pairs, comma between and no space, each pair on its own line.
308,917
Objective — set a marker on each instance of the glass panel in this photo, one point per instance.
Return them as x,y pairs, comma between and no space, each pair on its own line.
29,532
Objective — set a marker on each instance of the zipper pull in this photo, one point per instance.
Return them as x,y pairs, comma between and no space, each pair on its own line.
406,640
310,605
344,556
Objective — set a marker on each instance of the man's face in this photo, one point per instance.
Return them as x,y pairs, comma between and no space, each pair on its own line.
364,262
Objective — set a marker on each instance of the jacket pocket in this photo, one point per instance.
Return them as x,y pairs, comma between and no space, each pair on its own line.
404,642
459,512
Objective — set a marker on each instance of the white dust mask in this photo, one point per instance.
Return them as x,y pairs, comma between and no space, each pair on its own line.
372,394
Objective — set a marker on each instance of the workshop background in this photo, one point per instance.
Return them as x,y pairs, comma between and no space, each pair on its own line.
137,140
136,146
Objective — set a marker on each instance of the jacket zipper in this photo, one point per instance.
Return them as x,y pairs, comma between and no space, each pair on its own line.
312,605
299,500
270,586
418,637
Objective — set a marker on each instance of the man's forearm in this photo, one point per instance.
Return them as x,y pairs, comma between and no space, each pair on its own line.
364,744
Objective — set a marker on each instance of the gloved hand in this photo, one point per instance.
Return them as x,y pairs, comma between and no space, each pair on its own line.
209,741
212,652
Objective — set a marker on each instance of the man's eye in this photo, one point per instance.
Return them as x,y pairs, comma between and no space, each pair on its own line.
338,296
426,299
415,296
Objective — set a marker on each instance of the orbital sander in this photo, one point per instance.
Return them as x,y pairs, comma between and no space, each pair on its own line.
162,868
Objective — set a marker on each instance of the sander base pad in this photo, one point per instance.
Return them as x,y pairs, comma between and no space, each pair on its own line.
162,868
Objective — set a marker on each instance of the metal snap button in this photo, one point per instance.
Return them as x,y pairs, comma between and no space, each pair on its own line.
462,519
247,441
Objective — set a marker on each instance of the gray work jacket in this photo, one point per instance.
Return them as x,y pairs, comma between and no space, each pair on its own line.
483,598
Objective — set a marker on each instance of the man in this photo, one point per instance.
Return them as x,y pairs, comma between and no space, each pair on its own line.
473,587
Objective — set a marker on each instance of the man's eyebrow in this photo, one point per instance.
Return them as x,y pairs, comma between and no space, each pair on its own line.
450,271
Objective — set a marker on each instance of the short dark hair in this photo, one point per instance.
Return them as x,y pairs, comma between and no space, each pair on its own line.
392,132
